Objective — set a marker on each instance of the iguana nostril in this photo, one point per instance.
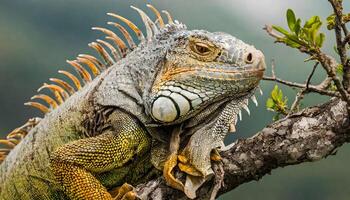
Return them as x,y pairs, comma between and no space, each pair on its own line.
249,58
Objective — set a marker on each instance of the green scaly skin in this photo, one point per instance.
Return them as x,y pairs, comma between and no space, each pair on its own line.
57,159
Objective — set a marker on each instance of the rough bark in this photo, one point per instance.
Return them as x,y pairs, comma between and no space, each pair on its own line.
307,136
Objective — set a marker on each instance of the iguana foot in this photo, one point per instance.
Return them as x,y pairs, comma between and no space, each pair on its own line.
171,161
124,192
169,165
188,168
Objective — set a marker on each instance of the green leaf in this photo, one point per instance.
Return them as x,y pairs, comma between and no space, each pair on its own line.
281,30
340,69
311,21
297,27
292,43
330,21
306,36
280,95
270,103
333,87
276,117
291,20
320,39
313,30
274,93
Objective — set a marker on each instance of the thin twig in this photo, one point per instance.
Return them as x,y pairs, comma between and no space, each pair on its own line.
346,40
339,26
329,64
300,95
325,83
273,68
312,88
310,76
273,34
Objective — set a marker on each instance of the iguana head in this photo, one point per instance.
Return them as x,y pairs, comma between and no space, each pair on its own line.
201,68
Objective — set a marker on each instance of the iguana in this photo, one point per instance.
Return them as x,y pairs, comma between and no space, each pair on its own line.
166,102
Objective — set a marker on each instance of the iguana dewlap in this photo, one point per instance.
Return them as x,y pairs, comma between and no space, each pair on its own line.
97,133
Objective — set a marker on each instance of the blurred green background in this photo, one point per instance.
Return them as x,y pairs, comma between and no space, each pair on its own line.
37,36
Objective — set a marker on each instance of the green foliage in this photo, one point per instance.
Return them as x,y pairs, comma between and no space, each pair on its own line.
331,20
340,69
277,102
306,37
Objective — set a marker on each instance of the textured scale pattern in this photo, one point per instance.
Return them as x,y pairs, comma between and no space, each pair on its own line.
123,142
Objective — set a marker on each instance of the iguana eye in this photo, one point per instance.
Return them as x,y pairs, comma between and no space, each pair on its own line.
201,49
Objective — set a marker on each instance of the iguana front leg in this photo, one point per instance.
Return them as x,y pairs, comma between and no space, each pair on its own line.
171,161
195,159
76,164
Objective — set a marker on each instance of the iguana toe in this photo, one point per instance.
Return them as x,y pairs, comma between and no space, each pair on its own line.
189,169
169,165
124,192
215,156
186,167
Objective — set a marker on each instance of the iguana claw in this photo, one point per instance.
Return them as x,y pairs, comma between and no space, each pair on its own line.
169,165
186,167
124,192
171,161
215,156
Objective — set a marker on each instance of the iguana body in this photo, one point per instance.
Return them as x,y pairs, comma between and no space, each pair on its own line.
26,173
175,81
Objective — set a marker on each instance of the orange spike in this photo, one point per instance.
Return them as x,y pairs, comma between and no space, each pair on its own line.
94,60
4,151
3,154
7,143
14,141
47,99
17,133
151,28
125,33
130,24
80,69
104,54
64,84
115,54
56,88
22,131
2,157
39,106
56,93
90,64
72,77
116,39
170,19
159,17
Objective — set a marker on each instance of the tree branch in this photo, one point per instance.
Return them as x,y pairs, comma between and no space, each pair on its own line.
320,89
307,136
